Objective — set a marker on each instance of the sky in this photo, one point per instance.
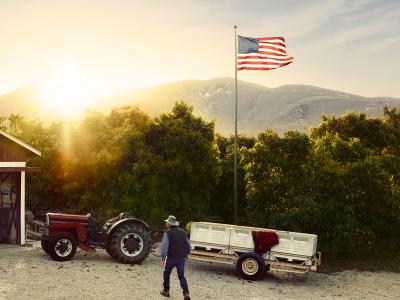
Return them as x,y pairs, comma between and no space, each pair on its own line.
351,46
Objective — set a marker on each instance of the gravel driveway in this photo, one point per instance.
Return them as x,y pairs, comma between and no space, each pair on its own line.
27,273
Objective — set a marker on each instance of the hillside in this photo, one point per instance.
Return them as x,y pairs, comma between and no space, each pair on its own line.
22,101
283,108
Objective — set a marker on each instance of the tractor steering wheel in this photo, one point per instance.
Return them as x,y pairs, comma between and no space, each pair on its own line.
92,214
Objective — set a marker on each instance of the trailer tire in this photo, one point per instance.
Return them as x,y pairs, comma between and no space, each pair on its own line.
267,268
250,266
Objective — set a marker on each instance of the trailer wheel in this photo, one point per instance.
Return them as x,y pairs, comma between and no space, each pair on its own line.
250,266
63,246
267,268
130,243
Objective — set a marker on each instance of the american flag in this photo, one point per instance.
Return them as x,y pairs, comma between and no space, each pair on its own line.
263,54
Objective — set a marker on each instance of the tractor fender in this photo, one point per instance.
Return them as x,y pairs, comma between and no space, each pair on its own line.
125,221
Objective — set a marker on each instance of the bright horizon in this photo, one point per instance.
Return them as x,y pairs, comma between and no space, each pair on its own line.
83,50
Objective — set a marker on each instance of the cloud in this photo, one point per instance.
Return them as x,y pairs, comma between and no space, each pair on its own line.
349,7
306,20
358,25
384,43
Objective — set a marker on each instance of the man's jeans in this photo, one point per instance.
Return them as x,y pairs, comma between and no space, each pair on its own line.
179,263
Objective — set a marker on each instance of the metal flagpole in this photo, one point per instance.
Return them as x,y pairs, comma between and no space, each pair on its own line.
236,146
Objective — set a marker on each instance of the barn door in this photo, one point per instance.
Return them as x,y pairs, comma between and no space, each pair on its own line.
10,208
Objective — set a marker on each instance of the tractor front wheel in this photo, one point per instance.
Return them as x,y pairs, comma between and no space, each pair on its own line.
63,246
45,246
130,243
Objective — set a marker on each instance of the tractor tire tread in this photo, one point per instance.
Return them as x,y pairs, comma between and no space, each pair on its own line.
115,241
58,236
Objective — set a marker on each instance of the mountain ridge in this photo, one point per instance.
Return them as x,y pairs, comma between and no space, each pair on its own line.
287,107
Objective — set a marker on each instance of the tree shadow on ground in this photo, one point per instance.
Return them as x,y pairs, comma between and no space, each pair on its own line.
389,262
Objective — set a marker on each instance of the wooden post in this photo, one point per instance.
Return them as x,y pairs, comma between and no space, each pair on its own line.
22,206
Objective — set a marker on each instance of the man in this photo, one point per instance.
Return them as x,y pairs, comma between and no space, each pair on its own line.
175,248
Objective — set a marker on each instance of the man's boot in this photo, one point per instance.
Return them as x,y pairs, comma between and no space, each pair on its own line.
165,292
186,295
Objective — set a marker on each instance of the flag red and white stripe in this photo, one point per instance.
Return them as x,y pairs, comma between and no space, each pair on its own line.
271,54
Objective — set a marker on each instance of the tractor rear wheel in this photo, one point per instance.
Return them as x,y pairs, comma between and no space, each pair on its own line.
63,246
130,243
108,250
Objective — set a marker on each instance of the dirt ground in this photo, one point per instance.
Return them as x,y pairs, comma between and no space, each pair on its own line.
28,273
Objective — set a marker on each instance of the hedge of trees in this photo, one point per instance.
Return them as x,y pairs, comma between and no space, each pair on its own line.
341,180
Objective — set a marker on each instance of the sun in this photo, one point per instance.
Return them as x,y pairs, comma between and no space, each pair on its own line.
67,91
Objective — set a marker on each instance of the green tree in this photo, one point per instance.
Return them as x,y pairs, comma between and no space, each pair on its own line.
342,183
222,208
176,170
274,167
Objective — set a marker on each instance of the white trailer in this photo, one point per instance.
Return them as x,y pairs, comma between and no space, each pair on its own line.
231,244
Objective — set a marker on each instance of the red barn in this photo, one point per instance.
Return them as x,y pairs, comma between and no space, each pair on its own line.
13,156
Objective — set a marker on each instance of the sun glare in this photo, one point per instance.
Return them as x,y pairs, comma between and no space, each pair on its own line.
67,91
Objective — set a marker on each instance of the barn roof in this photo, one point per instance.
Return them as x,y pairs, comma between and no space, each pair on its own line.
19,142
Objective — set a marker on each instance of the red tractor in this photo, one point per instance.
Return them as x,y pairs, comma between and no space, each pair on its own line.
125,238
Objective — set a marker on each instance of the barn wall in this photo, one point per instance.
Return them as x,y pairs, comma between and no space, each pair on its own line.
12,190
10,151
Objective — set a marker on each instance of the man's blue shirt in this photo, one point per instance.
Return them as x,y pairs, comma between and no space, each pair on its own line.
165,246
